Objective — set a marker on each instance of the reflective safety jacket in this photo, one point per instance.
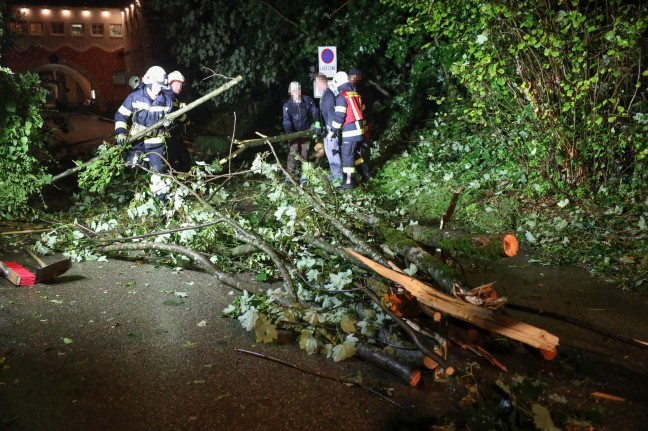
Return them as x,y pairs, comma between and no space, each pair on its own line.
348,114
298,117
139,112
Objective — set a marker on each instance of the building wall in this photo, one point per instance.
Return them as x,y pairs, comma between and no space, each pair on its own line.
82,50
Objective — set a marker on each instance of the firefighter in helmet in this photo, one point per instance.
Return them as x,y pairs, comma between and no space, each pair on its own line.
348,118
143,108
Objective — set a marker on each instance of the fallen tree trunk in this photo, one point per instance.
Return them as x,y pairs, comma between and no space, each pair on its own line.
478,316
497,245
427,351
581,324
444,277
250,143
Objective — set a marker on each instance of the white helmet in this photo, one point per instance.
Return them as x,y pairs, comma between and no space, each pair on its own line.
339,79
176,76
133,82
156,75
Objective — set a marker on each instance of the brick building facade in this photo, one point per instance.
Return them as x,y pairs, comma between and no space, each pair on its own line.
84,51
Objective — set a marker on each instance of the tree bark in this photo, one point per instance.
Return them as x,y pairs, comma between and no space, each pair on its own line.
244,145
495,245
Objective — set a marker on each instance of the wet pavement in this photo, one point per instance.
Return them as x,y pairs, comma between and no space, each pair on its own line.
128,345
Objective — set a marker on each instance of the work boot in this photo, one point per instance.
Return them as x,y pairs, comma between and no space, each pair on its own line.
364,172
345,186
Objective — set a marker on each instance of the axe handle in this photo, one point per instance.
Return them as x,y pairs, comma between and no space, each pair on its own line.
36,258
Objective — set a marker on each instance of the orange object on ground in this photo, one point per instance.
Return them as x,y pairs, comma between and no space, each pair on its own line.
510,245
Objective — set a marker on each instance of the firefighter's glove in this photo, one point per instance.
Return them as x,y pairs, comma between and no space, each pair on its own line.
167,122
318,128
120,139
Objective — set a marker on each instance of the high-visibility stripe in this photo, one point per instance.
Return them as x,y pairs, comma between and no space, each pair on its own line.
152,141
359,161
140,105
121,125
124,111
158,108
336,125
342,109
354,132
349,170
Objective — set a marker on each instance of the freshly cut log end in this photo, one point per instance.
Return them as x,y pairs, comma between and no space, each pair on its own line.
388,362
430,363
549,354
416,378
510,245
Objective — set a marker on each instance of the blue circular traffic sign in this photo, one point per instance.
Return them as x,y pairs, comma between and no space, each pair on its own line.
327,56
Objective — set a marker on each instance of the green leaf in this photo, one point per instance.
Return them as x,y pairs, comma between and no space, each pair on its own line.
249,318
265,330
344,350
542,418
67,341
307,342
348,324
189,345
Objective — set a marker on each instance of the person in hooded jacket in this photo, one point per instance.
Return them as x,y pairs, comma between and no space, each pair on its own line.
300,113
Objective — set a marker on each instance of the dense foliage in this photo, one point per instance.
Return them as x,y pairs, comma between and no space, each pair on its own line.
268,45
20,121
561,86
21,174
542,120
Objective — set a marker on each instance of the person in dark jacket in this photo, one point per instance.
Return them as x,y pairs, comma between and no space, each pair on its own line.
299,114
327,110
348,119
177,151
